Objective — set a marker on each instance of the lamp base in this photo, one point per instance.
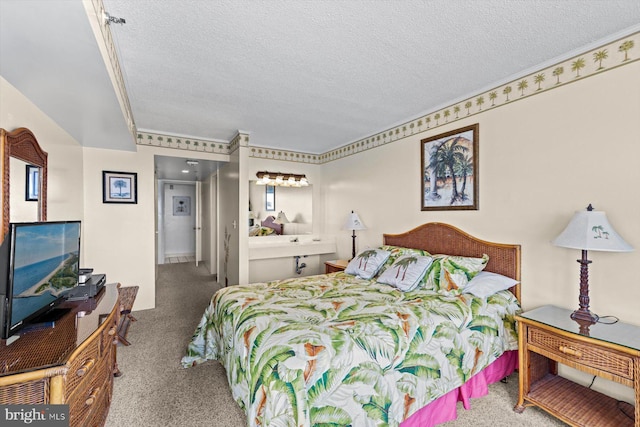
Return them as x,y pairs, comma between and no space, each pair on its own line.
584,315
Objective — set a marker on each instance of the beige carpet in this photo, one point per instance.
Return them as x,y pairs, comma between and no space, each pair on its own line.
155,391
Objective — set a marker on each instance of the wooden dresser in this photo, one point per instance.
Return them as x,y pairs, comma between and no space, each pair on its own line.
72,363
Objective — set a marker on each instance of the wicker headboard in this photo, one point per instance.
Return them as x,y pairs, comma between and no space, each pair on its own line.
439,238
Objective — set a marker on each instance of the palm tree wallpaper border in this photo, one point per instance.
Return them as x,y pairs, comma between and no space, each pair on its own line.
449,170
119,187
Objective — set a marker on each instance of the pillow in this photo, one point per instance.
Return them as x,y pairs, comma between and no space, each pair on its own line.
407,272
451,273
485,284
367,263
398,251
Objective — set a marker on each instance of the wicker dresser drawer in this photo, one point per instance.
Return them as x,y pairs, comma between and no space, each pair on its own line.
81,365
109,334
25,393
573,351
89,394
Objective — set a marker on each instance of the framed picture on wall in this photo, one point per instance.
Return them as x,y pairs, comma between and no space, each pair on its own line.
270,198
449,170
181,206
119,187
33,182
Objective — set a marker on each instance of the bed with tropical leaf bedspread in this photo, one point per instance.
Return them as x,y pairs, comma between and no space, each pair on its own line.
340,350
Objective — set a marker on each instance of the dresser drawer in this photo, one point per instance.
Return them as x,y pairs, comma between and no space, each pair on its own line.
108,336
90,393
580,353
81,365
25,393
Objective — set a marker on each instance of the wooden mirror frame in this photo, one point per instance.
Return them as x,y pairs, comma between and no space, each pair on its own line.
22,145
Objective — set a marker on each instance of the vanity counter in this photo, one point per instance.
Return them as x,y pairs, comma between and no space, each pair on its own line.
267,247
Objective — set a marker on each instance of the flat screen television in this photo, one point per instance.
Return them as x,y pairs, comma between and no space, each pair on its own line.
40,262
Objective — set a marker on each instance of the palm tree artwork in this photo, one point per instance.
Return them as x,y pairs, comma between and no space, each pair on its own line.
120,184
577,65
600,56
450,153
626,47
448,166
538,79
557,72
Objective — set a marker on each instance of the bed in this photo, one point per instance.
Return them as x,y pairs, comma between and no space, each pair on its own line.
266,228
338,349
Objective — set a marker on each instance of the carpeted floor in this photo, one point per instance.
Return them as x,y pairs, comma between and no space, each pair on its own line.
155,391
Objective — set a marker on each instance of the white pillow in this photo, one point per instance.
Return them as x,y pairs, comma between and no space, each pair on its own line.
406,272
367,263
485,284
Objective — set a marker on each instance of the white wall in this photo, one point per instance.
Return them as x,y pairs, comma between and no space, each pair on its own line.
119,239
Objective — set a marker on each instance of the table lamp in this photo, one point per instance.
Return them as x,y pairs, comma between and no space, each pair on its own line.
281,219
354,223
589,230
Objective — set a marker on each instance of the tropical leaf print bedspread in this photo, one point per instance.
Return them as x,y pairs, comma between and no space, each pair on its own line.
335,350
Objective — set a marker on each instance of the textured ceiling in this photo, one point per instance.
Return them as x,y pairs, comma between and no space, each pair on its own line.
314,75
302,75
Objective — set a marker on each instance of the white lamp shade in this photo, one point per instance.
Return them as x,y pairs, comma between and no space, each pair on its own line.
281,219
590,230
354,222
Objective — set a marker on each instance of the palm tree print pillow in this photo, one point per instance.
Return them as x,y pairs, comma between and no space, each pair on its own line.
367,263
449,274
397,252
406,273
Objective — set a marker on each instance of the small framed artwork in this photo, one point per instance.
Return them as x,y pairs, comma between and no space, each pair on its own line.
449,170
33,183
270,198
181,206
119,187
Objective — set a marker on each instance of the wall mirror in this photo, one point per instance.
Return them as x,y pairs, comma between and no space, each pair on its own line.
295,202
21,149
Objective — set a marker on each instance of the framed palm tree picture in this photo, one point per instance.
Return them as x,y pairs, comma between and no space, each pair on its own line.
449,170
119,187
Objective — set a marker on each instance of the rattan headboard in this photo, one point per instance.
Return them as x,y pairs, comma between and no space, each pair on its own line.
440,238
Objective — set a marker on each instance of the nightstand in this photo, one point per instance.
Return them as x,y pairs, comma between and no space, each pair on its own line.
335,265
548,336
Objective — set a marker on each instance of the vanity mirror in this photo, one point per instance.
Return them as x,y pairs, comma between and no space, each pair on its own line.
19,148
295,202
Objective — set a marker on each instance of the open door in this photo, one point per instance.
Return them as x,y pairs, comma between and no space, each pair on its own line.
198,226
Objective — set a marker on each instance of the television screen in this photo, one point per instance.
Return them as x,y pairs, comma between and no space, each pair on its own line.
44,263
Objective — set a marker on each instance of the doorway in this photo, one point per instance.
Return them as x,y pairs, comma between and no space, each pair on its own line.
178,219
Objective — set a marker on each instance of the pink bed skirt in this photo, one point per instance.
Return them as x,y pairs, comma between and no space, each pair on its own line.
444,409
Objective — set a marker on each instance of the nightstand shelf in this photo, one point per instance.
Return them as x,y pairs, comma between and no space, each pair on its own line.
548,336
334,266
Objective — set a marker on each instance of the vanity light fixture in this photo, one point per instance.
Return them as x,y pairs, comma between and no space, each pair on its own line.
589,230
282,179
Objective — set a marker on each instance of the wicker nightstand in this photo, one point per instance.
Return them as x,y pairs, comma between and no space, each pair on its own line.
548,336
336,265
